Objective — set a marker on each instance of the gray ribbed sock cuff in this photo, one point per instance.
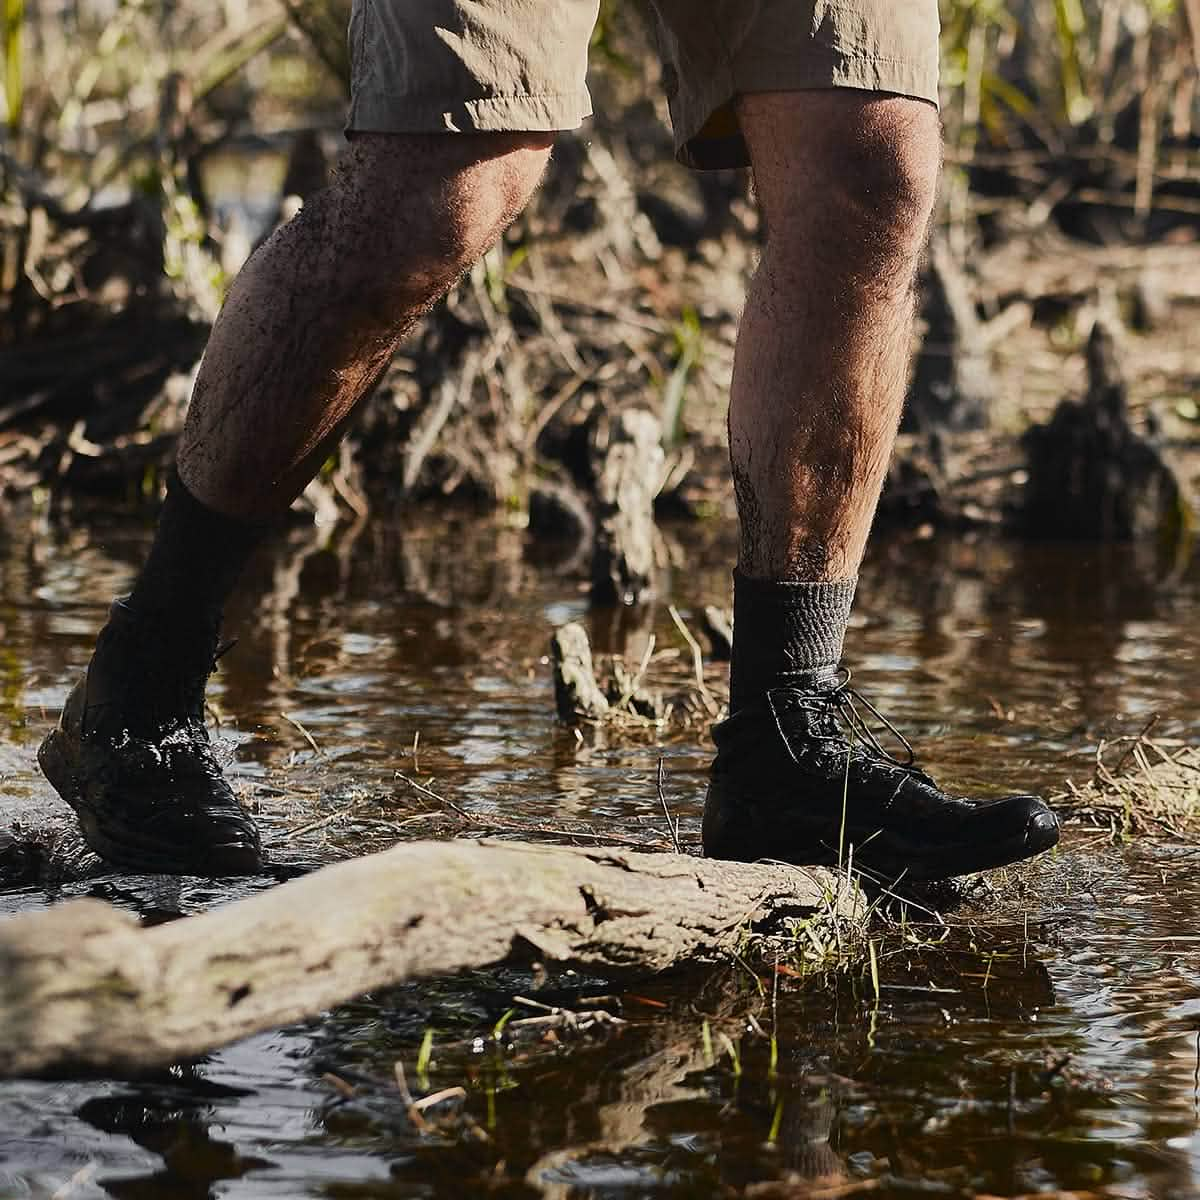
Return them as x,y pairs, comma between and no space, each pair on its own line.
781,630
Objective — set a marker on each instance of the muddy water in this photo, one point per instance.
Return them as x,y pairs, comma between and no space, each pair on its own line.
1049,1041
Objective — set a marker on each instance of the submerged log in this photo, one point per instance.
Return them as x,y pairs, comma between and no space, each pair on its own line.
83,988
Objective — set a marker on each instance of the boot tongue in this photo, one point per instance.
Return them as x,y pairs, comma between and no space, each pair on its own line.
817,682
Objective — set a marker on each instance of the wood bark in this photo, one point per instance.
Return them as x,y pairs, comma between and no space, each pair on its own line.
83,988
953,386
629,463
577,695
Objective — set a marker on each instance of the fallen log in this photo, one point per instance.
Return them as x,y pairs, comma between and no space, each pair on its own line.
85,989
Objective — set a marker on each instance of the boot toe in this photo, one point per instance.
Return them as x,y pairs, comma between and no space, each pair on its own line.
239,856
1042,829
140,815
203,843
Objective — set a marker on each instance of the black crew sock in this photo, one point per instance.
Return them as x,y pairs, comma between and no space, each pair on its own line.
784,634
154,656
195,561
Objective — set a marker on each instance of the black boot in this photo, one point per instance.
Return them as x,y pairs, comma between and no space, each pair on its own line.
131,755
800,777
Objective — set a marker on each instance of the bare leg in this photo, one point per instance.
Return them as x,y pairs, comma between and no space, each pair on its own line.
317,312
310,324
846,183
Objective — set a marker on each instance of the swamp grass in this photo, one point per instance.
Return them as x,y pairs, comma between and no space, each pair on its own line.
1139,787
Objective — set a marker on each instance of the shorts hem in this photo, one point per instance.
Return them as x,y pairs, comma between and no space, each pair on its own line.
396,112
862,72
771,74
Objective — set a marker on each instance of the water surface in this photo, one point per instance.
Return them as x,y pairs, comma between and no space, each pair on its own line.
1049,1041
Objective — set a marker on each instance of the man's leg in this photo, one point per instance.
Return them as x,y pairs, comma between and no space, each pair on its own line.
846,183
310,323
316,314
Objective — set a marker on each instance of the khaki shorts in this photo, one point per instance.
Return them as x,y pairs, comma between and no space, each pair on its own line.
432,66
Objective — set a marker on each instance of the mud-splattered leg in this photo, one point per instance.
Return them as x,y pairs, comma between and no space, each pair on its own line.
846,183
317,312
309,325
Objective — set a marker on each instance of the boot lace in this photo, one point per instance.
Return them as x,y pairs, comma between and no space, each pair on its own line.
843,714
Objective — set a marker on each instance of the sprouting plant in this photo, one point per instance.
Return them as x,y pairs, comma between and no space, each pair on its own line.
425,1058
688,350
776,1122
498,1028
498,266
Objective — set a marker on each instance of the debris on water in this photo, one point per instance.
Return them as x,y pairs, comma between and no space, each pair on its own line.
621,698
717,624
577,694
1150,788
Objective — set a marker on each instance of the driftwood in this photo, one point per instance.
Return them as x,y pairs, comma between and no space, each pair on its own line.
618,696
628,470
717,624
577,695
83,988
953,385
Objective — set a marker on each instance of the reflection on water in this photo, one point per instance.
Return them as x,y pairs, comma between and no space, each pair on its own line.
1054,1044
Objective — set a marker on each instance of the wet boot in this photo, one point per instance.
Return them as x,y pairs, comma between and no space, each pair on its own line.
800,776
131,755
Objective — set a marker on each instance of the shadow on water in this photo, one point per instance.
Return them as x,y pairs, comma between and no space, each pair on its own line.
1049,1041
